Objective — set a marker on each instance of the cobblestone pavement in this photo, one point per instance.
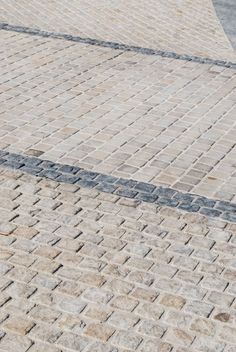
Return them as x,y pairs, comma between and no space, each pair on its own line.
89,271
153,119
102,246
185,26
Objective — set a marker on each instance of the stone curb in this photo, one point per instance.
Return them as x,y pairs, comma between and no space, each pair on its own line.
116,46
141,191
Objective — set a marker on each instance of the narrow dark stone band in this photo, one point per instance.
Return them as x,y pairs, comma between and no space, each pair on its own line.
142,191
115,45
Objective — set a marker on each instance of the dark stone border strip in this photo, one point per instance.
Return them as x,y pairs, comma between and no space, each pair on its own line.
115,45
141,191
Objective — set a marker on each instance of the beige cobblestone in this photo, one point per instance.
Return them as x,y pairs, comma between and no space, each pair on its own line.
172,301
18,325
99,331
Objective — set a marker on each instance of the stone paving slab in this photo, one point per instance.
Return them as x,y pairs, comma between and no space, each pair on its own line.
82,270
226,11
148,118
185,27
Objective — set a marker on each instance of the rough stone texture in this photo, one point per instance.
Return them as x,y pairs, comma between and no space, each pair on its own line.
118,275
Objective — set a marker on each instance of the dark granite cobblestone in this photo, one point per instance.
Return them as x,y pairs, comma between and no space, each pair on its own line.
125,188
126,192
210,212
193,208
115,45
202,201
146,197
168,202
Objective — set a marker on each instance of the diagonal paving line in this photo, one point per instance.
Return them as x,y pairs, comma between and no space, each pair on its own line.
127,188
116,45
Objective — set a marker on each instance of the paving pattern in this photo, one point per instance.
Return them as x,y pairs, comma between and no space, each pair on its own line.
166,25
117,177
153,119
88,271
